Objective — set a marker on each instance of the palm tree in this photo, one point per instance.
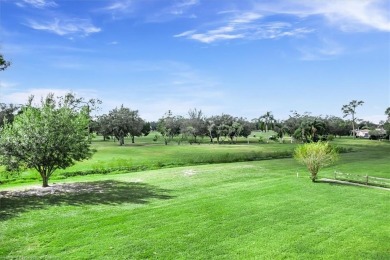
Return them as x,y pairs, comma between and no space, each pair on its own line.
268,119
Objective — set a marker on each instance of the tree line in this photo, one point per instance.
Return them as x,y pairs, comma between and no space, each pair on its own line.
122,122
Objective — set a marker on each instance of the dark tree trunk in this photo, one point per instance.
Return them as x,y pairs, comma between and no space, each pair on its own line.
45,181
132,139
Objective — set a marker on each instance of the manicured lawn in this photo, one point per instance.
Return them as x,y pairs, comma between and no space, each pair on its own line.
368,157
241,210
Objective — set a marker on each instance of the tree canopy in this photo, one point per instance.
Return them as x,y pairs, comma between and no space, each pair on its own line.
3,63
46,138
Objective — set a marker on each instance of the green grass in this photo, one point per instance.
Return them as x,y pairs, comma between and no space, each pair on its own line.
267,209
227,211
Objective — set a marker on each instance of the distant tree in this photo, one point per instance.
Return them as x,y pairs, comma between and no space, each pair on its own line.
337,126
195,125
235,130
218,126
146,129
386,125
52,136
280,129
246,127
169,126
3,63
315,156
8,112
350,109
387,113
123,122
309,128
104,127
293,123
268,120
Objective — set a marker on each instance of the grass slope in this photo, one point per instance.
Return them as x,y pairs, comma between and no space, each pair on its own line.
223,211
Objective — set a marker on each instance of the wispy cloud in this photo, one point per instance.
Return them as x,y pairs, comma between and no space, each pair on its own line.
248,25
37,3
182,6
352,15
347,15
263,21
326,49
118,7
66,27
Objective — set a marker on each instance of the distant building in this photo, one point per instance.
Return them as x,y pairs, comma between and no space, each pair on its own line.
362,133
365,133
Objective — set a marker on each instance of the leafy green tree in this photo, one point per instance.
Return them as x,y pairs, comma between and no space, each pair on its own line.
169,126
218,126
146,128
123,122
103,126
46,138
350,109
337,126
246,128
3,63
315,156
235,130
195,125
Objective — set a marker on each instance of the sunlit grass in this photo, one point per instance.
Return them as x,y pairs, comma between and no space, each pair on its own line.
232,211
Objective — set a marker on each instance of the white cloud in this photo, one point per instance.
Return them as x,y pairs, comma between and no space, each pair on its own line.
37,3
119,6
212,37
246,25
182,6
352,15
186,33
71,27
347,15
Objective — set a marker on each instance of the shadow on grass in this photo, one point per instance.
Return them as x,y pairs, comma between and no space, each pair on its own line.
13,203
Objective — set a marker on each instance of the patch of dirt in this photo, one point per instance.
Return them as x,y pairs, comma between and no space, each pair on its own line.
189,172
55,189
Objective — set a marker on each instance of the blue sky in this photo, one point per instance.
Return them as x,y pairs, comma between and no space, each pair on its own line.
241,57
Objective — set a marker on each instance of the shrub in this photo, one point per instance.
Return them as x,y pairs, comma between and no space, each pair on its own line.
315,156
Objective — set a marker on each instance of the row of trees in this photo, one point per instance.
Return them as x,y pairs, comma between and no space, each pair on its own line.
122,122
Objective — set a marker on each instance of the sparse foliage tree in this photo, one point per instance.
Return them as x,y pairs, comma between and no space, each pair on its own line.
315,156
169,126
52,136
195,125
350,109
